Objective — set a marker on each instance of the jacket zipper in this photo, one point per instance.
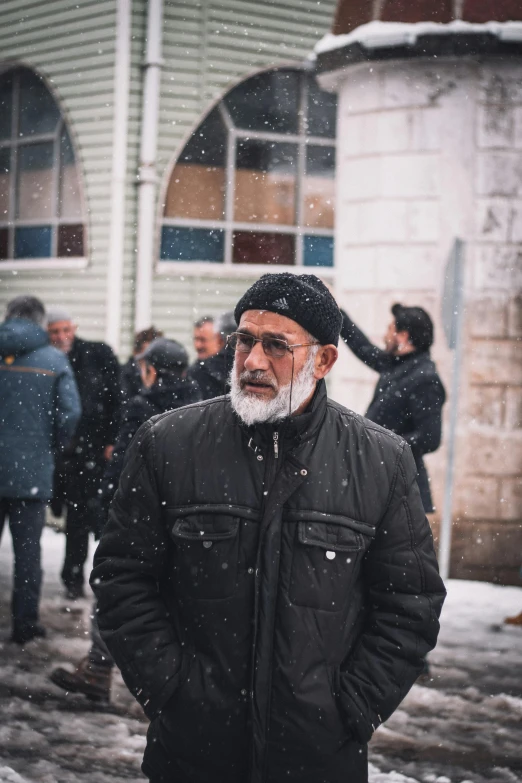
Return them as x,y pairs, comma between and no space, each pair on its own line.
276,445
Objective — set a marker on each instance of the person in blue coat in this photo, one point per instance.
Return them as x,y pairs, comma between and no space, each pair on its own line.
39,410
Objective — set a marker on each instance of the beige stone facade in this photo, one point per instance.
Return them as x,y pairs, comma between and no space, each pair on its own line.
431,150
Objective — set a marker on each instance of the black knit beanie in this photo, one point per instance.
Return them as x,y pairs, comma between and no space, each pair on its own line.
303,298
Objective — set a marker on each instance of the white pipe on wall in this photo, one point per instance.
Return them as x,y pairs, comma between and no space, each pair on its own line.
147,169
119,171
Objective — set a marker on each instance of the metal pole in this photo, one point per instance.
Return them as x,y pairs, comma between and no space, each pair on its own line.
458,315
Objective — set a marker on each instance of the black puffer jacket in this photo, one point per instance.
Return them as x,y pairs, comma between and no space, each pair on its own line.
80,468
408,398
269,612
211,375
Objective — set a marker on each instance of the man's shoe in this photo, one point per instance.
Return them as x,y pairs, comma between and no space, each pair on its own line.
514,620
91,679
26,632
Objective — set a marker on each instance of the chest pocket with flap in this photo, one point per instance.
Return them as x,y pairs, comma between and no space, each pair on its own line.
206,555
325,561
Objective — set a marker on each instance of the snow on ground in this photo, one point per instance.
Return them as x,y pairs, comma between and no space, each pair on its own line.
462,726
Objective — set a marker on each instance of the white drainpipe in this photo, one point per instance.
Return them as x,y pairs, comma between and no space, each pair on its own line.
147,169
119,171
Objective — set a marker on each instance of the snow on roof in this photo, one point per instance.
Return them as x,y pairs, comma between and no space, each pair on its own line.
378,35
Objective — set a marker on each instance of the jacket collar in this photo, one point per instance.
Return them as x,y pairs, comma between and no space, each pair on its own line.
294,429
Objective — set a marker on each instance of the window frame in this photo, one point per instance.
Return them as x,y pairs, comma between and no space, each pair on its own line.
13,143
228,225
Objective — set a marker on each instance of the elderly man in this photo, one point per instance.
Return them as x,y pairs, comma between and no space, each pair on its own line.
80,469
39,409
211,375
266,581
207,340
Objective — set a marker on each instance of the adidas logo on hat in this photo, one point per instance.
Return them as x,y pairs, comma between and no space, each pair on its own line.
281,303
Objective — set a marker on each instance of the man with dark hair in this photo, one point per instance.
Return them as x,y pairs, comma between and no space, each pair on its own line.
266,580
211,375
39,410
80,468
130,377
206,340
409,395
163,365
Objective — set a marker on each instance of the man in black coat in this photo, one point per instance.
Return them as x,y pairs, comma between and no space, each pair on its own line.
409,395
163,366
211,374
80,468
266,580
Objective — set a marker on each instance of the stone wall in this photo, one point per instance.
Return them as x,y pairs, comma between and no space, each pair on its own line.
429,151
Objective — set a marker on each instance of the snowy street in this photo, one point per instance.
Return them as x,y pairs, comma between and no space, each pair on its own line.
463,726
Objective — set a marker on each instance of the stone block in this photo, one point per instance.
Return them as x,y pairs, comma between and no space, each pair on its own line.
499,174
515,316
497,268
493,220
422,86
495,126
495,362
410,176
487,316
515,221
416,11
486,405
513,418
486,550
356,267
497,454
359,179
499,82
406,267
511,499
476,497
517,130
362,93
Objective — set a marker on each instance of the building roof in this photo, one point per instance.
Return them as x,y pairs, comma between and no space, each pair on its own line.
367,30
353,13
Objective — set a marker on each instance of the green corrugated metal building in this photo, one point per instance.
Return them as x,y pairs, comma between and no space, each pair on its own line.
83,228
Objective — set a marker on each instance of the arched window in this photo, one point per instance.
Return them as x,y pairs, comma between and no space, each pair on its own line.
40,200
255,182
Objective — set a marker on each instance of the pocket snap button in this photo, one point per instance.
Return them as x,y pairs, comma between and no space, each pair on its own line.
304,472
260,457
250,570
330,555
207,544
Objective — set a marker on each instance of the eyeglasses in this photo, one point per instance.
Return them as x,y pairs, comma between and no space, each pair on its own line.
272,346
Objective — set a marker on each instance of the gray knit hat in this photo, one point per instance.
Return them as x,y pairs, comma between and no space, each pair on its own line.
303,298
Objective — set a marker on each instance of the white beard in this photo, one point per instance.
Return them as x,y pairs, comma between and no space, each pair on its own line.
253,410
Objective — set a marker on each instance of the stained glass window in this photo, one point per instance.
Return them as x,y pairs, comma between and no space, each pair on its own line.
255,183
40,198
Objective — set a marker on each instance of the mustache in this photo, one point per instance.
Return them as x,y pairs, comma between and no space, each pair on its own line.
256,376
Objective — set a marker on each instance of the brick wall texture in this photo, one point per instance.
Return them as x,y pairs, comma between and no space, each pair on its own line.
352,13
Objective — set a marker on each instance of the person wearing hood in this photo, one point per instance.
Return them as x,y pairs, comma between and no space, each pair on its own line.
211,374
39,410
163,366
266,578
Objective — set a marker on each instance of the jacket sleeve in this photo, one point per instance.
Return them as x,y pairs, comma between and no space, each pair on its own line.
405,597
67,406
425,404
132,417
128,564
358,343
